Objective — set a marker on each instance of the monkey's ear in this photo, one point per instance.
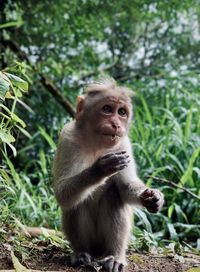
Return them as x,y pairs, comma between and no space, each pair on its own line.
79,107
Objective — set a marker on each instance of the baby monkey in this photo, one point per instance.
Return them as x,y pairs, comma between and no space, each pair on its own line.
95,177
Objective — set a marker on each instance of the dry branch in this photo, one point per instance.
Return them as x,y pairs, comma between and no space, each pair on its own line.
57,94
173,184
37,231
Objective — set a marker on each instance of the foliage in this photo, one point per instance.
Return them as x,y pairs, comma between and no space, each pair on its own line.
150,46
11,89
167,144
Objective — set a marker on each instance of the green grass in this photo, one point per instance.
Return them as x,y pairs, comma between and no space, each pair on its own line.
165,137
166,142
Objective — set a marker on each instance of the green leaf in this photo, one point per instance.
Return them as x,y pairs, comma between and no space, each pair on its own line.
5,177
19,93
170,210
30,200
47,138
17,119
6,109
26,133
6,137
14,173
143,218
159,151
188,173
4,86
180,214
172,231
12,24
43,161
187,130
13,149
147,111
18,82
17,265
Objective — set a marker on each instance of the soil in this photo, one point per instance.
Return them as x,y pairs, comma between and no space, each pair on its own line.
55,259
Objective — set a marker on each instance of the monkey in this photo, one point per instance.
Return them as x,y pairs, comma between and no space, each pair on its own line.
95,177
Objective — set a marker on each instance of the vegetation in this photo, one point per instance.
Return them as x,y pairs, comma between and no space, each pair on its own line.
57,47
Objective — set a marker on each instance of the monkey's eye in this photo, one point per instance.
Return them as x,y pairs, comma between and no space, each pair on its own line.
122,112
107,109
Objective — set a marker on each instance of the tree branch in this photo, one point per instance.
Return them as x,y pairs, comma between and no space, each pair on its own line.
57,94
173,184
48,85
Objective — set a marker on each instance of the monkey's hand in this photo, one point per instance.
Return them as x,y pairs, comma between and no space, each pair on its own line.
111,163
152,199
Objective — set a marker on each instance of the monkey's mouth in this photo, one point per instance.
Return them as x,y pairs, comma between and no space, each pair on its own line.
113,137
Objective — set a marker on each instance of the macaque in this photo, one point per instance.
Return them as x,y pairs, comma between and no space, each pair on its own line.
95,177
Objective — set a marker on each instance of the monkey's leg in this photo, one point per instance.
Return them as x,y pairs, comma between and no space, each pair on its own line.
80,231
114,229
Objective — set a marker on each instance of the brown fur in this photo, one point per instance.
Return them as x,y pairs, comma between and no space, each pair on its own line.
97,199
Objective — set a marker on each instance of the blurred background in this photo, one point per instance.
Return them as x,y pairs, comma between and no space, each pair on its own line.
50,49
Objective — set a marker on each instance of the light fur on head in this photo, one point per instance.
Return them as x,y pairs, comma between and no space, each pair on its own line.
106,84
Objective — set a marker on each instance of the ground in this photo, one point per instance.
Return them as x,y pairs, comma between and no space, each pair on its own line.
55,259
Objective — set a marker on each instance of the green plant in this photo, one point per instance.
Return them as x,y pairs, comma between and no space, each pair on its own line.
12,88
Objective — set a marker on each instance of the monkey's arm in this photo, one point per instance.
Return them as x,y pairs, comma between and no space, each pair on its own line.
70,191
73,182
129,184
134,191
74,178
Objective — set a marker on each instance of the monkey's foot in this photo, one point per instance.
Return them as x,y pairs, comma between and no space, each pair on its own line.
81,259
110,264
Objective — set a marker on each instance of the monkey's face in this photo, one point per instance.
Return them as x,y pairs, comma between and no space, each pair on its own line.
110,119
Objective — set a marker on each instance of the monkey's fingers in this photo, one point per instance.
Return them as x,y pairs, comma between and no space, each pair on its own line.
147,193
113,266
151,200
108,266
82,258
125,160
154,206
116,159
111,154
118,267
107,263
121,152
156,196
153,209
119,167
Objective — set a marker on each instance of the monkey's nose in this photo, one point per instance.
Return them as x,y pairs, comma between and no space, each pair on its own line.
115,126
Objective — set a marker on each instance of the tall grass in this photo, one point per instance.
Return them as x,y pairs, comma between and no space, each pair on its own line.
28,193
165,137
166,142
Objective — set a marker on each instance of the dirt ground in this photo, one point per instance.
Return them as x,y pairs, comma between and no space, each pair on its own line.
55,259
